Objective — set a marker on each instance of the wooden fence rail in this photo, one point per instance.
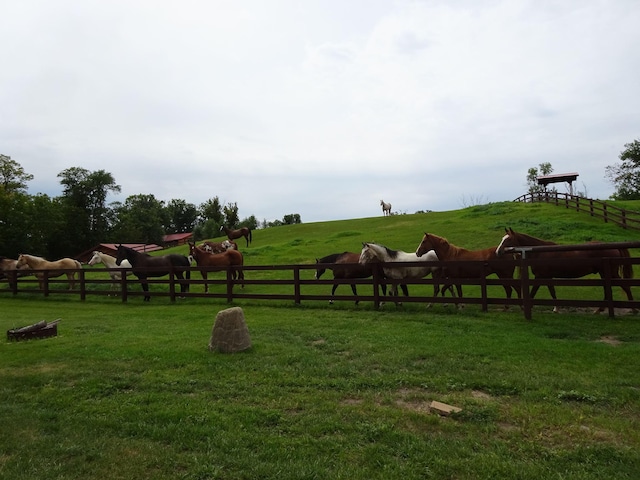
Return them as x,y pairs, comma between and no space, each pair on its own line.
296,283
596,208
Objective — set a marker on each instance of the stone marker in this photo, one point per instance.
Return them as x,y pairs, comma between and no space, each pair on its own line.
230,333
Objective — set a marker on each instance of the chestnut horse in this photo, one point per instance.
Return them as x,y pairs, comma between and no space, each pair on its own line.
354,270
64,266
144,265
578,267
240,232
448,252
206,260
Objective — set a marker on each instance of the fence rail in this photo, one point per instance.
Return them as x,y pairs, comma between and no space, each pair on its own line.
627,219
296,284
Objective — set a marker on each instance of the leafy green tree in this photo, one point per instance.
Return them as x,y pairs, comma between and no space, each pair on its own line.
291,219
13,178
181,216
231,218
532,177
251,222
140,220
84,201
625,176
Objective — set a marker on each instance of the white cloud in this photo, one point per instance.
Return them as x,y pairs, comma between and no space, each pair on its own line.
320,108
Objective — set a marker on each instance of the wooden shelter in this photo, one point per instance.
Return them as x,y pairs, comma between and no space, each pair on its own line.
558,178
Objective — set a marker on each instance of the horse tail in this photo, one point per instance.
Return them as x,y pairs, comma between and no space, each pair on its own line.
627,268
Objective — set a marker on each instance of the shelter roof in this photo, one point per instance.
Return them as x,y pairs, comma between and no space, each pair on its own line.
560,177
177,237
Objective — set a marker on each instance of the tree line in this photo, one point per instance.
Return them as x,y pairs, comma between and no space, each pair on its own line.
78,219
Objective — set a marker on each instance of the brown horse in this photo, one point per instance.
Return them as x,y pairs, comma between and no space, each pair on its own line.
447,252
579,265
206,260
240,232
340,271
64,266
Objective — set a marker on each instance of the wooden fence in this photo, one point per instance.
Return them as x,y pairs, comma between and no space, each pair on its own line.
596,208
296,283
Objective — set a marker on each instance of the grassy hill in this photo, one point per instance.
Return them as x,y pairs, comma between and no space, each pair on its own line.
472,228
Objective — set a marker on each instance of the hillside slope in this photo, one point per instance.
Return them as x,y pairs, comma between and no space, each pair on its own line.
473,228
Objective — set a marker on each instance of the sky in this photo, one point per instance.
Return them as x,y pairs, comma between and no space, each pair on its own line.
320,108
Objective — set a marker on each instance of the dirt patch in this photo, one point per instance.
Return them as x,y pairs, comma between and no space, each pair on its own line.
610,340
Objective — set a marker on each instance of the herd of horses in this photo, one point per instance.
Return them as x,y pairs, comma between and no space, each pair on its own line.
460,263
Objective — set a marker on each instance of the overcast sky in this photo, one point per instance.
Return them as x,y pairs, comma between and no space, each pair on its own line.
320,107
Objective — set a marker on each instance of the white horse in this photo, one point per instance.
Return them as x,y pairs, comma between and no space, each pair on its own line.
386,208
110,262
376,252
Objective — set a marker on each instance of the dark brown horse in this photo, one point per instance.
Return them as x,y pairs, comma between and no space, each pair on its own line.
206,260
579,265
448,252
240,232
144,265
340,271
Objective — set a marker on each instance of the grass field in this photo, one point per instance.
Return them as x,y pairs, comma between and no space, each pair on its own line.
131,390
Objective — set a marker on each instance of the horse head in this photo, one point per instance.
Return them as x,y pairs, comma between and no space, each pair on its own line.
510,239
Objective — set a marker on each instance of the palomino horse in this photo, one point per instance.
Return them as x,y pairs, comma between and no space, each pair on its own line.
448,252
240,232
144,265
340,271
110,262
386,208
375,252
579,265
64,266
219,247
206,260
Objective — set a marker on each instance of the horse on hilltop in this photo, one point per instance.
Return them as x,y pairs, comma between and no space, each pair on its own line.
144,265
386,207
237,233
579,264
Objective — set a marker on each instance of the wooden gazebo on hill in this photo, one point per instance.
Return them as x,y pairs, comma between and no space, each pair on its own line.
558,178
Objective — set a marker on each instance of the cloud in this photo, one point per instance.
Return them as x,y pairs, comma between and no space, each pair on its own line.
320,108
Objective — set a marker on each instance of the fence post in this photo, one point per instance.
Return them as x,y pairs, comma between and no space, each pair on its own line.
524,287
229,284
83,287
608,289
172,283
296,285
483,287
624,219
604,213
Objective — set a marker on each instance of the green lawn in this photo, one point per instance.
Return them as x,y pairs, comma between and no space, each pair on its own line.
327,392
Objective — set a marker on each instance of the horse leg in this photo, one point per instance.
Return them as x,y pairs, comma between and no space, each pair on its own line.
145,288
333,291
204,277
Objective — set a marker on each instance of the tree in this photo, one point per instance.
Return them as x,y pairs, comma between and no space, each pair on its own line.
13,178
231,218
140,220
181,216
625,176
291,219
532,177
84,200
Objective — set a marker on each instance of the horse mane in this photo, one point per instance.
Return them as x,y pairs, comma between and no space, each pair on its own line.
330,258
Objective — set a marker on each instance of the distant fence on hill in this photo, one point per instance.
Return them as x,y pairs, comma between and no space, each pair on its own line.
297,284
628,219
